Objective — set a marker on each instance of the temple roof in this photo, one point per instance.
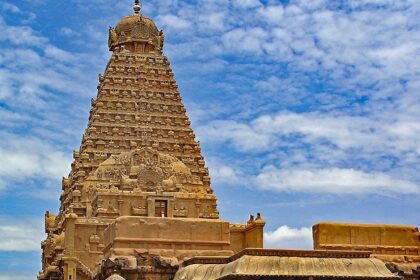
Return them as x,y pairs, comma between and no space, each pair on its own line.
263,266
287,263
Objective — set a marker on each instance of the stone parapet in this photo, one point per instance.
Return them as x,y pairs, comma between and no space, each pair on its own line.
396,245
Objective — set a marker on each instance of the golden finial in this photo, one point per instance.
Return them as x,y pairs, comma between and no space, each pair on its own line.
137,7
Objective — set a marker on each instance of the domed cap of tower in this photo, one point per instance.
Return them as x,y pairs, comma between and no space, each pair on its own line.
132,22
135,33
115,277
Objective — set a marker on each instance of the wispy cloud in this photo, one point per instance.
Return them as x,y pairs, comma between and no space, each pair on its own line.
36,85
20,235
334,181
173,22
9,7
25,158
342,131
324,153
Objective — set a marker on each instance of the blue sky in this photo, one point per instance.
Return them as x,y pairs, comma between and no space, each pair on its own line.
306,111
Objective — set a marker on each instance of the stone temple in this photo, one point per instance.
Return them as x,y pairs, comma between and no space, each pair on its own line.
138,202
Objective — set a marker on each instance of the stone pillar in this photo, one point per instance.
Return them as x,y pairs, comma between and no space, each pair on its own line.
150,207
197,208
120,206
170,210
70,264
69,228
70,270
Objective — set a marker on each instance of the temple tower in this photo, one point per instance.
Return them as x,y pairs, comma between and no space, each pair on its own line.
138,197
138,112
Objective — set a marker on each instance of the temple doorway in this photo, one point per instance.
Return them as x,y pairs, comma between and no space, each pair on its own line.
161,208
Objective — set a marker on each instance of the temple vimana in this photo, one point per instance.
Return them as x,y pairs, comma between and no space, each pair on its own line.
138,202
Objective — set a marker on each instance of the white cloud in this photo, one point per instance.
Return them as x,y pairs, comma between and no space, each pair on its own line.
273,14
345,132
10,7
246,3
16,277
18,235
173,22
246,40
323,153
59,54
25,158
20,35
224,174
242,136
342,131
333,181
213,21
37,81
66,31
286,237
